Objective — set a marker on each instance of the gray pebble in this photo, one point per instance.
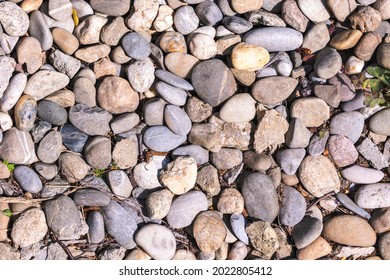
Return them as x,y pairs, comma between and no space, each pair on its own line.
84,91
161,139
96,227
73,138
91,197
50,147
290,159
136,46
27,179
154,111
177,120
64,63
258,162
208,13
328,63
173,79
39,30
297,136
318,143
226,158
171,94
200,154
362,175
373,196
120,183
124,122
293,207
350,205
237,223
237,25
185,20
92,121
47,171
349,124
98,152
52,112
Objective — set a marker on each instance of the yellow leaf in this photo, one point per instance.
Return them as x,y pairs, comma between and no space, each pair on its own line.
75,17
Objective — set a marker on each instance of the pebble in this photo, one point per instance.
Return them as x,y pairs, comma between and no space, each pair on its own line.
241,54
25,113
208,13
209,231
230,202
197,110
185,208
173,95
383,246
136,46
50,147
275,39
317,249
200,155
111,33
67,224
240,108
164,19
141,74
160,138
73,138
328,63
116,96
180,176
111,7
183,254
318,175
342,150
316,38
13,92
373,196
177,120
316,10
171,42
73,167
7,66
7,252
185,20
208,180
362,175
98,152
120,183
258,162
293,207
142,15
29,228
65,40
354,65
96,231
85,92
93,53
263,238
306,231
378,122
4,173
346,39
52,112
39,130
350,205
290,159
92,121
297,136
125,153
226,158
293,16
341,9
281,87
238,223
124,122
248,6
17,147
265,19
365,19
349,124
13,19
180,64
202,46
347,89
349,230
257,189
380,220
158,204
154,111
209,88
64,63
40,30
64,98
115,216
157,241
44,83
173,79
29,52
382,6
270,131
367,45
91,197
145,175
236,24
313,111
329,93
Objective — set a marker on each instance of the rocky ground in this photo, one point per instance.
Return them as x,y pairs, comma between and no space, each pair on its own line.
195,129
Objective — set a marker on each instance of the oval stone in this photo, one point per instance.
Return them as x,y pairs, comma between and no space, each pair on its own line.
27,179
45,82
293,207
281,88
373,196
91,197
50,147
52,112
362,175
379,122
177,120
162,139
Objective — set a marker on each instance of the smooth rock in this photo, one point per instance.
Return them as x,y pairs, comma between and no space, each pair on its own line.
258,162
318,175
383,7
111,7
73,167
238,109
160,138
185,20
346,39
125,153
341,9
65,40
44,83
98,152
350,205
306,231
347,89
95,223
158,204
293,16
236,24
93,53
91,197
25,113
373,196
50,147
293,207
281,87
367,45
153,111
349,230
237,223
378,122
185,208
362,175
52,112
257,189
13,92
120,183
317,249
313,111
380,221
297,136
342,150
27,179
263,238
17,147
13,19
200,155
40,30
64,63
328,63
208,13
173,95
29,52
177,120
180,64
384,246
141,74
136,46
248,6
316,38
202,46
329,93
124,122
226,158
85,92
92,121
274,39
171,42
315,10
349,124
290,159
73,138
111,33
173,79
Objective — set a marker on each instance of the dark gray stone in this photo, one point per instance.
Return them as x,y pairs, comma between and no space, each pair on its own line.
306,231
73,138
136,46
161,139
95,223
91,197
293,207
261,199
173,79
289,160
237,25
27,179
208,13
115,216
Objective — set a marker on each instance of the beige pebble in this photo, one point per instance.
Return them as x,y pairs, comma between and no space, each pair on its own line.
203,46
249,57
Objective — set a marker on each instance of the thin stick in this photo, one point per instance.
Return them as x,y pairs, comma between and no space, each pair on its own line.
63,246
319,199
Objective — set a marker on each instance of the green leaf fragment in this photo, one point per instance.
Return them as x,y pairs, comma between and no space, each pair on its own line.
7,213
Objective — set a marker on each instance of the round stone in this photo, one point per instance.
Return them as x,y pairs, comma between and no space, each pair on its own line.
379,124
185,20
13,19
202,46
98,152
319,248
349,124
141,74
313,111
384,246
44,83
13,92
318,175
136,46
91,197
158,204
365,19
230,202
120,183
29,52
281,88
116,96
73,167
180,64
247,6
125,153
306,231
95,223
92,121
172,42
328,63
208,13
249,57
162,139
25,113
293,207
226,158
52,112
65,40
27,179
315,10
383,55
373,196
342,150
346,39
177,120
240,108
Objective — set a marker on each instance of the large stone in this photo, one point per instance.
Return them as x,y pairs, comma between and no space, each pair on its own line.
342,150
328,63
318,175
281,88
362,175
306,231
316,38
341,9
142,15
92,121
365,19
379,124
349,124
315,10
45,82
261,199
110,7
50,147
73,167
29,52
263,238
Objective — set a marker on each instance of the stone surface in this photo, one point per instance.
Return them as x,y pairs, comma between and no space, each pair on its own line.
96,227
293,16
125,153
373,196
45,82
185,20
158,204
349,124
141,74
206,135
306,231
317,249
312,111
293,207
50,147
13,92
378,124
29,52
197,110
73,138
342,150
365,19
318,175
25,113
142,14
73,167
263,238
297,136
208,180
120,183
226,158
371,153
52,112
380,220
200,155
177,120
349,230
93,53
257,189
64,63
316,38
249,57
13,19
65,40
91,197
350,205
328,63
281,87
362,175
173,79
341,9
111,7
290,159
92,121
230,202
161,139
346,39
39,29
17,147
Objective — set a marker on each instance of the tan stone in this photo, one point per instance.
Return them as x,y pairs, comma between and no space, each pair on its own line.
164,19
31,5
93,53
29,52
319,248
366,19
65,40
346,39
125,153
247,78
226,44
367,45
64,98
180,63
4,171
172,41
4,221
341,8
313,111
105,67
242,7
249,57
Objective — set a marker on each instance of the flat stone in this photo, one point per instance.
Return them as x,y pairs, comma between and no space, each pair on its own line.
13,91
293,207
373,196
209,88
67,224
45,82
111,33
329,93
238,223
380,220
275,39
378,124
73,138
17,147
362,175
160,138
270,131
29,228
328,63
349,230
177,120
293,16
371,153
257,189
158,204
157,241
173,95
180,175
173,79
313,111
85,92
98,152
13,19
258,162
153,111
350,205
125,153
115,216
136,46
342,150
91,197
207,136
226,158
209,231
60,10
120,183
318,175
317,249
73,167
111,7
236,24
281,87
39,29
185,208
93,53
263,238
50,147
95,223
200,155
306,231
92,121
180,64
124,122
65,98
